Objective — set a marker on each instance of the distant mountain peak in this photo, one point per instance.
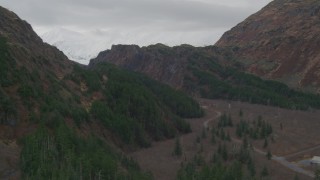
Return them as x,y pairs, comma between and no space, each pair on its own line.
77,46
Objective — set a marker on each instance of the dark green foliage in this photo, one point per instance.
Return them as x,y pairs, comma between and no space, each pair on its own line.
222,166
26,91
30,87
201,148
213,139
259,129
6,64
245,143
222,150
91,78
242,128
136,107
128,106
27,94
8,109
79,115
228,138
225,121
62,155
269,155
219,82
211,171
132,108
251,167
244,155
265,144
123,126
177,101
264,172
222,134
240,113
317,174
177,148
204,133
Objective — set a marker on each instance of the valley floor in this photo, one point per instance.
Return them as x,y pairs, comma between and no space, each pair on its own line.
295,138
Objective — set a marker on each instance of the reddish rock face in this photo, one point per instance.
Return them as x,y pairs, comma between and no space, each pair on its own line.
158,61
281,42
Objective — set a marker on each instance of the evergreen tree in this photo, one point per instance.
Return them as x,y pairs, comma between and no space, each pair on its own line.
228,138
201,148
265,144
177,148
245,143
222,134
317,174
251,168
269,155
240,113
239,131
224,152
264,172
230,123
213,139
204,133
213,130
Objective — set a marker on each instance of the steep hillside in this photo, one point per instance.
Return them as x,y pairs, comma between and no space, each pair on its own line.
61,120
280,42
158,61
209,72
26,48
29,68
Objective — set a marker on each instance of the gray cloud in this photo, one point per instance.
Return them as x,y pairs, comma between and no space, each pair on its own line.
171,14
143,22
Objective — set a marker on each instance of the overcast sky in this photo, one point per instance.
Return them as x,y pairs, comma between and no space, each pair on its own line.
143,22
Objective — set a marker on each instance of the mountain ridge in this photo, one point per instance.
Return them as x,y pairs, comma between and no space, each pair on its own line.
57,116
71,121
280,42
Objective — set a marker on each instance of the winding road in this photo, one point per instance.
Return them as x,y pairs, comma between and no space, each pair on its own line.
158,159
281,160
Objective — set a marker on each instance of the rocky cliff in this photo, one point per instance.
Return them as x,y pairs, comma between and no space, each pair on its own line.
158,61
281,42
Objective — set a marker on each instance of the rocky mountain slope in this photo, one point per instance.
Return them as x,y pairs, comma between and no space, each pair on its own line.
280,42
61,120
27,48
158,61
209,72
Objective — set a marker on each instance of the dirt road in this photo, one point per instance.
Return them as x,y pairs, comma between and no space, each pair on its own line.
159,160
282,160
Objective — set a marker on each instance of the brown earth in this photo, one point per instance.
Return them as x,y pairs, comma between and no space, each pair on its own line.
299,127
299,130
280,42
169,65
